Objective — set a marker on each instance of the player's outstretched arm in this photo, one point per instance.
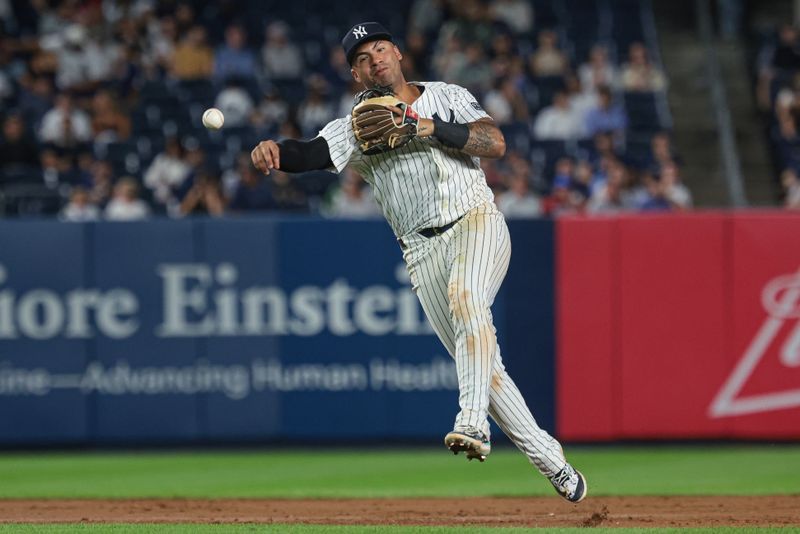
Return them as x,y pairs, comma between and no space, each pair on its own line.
480,138
292,155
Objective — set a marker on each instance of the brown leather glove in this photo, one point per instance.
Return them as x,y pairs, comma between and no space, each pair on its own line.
382,122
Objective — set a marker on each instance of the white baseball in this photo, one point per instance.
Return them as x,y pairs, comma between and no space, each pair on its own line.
213,119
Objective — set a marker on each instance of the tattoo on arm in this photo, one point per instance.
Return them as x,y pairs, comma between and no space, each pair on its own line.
485,140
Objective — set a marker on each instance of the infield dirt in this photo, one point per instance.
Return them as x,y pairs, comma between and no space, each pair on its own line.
514,511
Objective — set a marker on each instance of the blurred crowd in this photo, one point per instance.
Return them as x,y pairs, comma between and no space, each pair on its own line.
778,95
101,104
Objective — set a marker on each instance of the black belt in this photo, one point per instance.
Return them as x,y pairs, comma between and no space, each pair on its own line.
431,232
438,230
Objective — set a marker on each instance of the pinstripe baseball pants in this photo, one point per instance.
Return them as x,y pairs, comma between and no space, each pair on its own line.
456,276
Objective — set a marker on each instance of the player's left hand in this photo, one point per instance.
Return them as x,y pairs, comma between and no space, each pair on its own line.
383,122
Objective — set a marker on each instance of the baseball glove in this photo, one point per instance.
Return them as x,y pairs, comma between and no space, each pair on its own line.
382,122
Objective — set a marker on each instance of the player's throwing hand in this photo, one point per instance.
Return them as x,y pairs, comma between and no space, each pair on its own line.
266,156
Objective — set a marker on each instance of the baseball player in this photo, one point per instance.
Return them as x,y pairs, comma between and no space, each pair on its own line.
418,144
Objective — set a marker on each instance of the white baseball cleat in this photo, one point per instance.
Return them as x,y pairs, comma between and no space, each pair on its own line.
570,484
476,445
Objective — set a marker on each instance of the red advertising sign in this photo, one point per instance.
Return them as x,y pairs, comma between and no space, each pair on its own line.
585,340
702,331
761,392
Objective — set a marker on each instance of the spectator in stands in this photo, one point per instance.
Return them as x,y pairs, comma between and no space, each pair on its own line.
105,54
656,198
474,72
345,104
558,121
581,102
129,73
184,18
791,189
564,171
234,59
675,192
7,90
494,177
516,14
195,158
561,201
337,71
581,185
65,125
51,19
286,195
351,198
205,197
35,98
162,38
80,207
776,61
661,152
787,101
101,183
125,204
639,74
514,162
519,202
282,58
598,71
315,111
470,23
611,196
133,10
252,193
416,49
272,111
81,174
502,54
55,168
602,148
235,103
109,123
426,16
167,173
17,148
231,177
410,68
505,103
787,140
127,32
787,53
607,116
548,59
192,59
449,56
289,129
75,69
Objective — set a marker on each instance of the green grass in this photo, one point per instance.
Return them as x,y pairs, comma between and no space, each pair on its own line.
348,529
726,470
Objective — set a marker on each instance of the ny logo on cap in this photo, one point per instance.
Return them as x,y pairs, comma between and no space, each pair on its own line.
359,32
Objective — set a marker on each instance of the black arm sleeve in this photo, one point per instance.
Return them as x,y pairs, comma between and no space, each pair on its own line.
302,156
451,134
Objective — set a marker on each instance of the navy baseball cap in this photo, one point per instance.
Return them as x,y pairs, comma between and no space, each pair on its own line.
363,33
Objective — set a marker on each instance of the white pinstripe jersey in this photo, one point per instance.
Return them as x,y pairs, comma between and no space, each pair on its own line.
422,184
